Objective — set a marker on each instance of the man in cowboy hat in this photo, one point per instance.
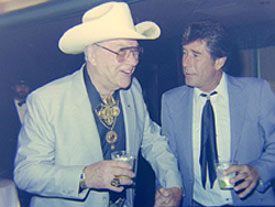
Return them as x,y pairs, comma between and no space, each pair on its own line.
74,124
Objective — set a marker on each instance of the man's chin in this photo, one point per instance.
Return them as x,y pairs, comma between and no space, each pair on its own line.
125,85
189,83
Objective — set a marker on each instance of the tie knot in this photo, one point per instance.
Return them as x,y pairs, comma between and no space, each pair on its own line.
208,95
21,103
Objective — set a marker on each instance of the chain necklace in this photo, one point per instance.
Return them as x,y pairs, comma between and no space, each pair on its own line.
107,115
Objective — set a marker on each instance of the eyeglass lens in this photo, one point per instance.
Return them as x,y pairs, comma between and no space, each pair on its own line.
125,53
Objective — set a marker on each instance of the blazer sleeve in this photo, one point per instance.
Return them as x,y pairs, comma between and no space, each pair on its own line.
35,167
156,150
265,164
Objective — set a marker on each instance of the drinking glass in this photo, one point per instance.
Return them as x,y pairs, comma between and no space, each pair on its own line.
224,180
125,157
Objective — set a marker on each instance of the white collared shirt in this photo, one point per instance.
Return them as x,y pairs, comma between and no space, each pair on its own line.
21,110
220,104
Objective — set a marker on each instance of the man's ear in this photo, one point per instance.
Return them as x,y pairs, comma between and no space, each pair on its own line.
219,63
90,54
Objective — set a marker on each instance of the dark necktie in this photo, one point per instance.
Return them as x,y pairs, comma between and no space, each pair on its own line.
21,103
208,156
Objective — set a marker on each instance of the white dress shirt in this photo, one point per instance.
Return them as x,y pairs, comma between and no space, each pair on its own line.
220,104
20,109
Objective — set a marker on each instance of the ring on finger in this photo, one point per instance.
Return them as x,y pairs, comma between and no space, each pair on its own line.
115,182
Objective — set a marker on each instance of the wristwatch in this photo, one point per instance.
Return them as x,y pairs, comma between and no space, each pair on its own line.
82,183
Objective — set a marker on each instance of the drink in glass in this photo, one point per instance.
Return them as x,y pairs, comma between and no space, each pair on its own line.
125,157
224,180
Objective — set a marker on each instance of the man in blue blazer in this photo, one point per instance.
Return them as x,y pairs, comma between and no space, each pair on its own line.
244,113
73,124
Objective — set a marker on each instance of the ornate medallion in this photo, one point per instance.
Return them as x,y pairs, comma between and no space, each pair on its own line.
111,137
107,114
115,111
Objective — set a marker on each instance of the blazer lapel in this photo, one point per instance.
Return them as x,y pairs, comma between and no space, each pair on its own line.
83,115
183,113
187,126
129,120
237,106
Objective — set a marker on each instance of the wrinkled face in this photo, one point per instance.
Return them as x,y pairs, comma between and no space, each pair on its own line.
198,67
114,63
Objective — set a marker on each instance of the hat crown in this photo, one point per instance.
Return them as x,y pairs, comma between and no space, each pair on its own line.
111,13
108,21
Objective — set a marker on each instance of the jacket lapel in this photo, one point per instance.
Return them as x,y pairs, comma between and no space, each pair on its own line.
183,113
129,120
83,115
237,106
187,126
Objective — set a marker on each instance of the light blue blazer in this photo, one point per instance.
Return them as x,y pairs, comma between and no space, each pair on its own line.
59,137
252,119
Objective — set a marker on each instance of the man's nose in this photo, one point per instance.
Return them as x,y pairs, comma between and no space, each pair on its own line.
132,59
186,60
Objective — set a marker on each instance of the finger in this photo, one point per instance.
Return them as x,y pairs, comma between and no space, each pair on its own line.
158,201
232,169
247,190
164,192
168,201
115,185
125,180
123,172
159,198
238,169
163,203
116,189
165,198
121,167
242,185
238,177
157,195
120,164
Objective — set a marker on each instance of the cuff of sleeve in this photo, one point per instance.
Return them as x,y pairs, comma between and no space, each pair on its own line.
172,180
82,181
262,187
262,184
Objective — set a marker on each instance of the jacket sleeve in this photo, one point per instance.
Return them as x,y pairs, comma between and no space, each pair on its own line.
156,150
35,167
266,124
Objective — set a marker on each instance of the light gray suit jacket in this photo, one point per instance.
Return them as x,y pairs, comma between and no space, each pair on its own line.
252,119
59,137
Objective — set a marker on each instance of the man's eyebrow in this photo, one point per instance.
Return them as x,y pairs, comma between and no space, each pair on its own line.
196,52
192,50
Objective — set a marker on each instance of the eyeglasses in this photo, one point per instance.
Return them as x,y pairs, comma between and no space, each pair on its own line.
124,53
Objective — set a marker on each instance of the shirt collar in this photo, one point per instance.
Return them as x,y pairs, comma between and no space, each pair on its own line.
19,103
93,93
221,89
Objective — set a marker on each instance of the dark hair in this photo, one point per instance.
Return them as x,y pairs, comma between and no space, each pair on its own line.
212,33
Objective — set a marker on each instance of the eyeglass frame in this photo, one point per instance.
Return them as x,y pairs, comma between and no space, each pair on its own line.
139,50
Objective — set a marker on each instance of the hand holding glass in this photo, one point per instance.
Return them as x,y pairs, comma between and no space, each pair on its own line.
126,157
224,180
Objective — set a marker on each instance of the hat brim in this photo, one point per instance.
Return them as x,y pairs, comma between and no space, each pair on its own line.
77,38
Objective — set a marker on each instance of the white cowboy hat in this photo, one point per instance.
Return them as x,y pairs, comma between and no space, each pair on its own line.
108,21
